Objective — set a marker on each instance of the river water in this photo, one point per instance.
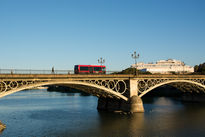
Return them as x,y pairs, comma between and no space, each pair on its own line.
38,113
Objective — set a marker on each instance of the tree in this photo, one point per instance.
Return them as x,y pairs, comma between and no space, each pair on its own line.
196,68
132,71
199,69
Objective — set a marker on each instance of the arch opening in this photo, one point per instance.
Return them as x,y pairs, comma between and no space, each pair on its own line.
195,86
164,91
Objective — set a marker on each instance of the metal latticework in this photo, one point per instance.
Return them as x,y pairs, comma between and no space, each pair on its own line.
119,86
9,85
146,85
97,87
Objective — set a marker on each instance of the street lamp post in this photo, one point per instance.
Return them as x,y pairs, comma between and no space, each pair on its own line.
183,64
101,61
135,57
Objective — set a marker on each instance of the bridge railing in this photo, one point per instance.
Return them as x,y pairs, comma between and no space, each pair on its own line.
31,71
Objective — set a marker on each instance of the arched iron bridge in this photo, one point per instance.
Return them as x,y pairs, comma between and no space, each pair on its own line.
111,86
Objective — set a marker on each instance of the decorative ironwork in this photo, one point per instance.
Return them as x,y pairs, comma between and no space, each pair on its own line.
118,86
144,85
12,84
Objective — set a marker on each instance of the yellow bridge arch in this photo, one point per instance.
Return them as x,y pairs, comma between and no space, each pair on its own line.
165,82
106,91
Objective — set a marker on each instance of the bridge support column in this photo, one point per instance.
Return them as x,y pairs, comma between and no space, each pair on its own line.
133,105
136,104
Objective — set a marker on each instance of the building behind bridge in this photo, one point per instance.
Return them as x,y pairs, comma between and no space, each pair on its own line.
165,67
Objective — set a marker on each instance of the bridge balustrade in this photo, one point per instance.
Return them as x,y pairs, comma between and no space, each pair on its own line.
33,71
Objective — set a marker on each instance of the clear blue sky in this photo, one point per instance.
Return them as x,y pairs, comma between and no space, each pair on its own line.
39,34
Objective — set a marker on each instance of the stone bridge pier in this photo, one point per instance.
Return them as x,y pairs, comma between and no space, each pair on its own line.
133,104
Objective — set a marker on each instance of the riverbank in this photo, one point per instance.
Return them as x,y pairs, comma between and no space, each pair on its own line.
2,127
63,89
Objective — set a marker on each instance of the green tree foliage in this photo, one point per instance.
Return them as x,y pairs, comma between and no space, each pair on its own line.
132,71
199,69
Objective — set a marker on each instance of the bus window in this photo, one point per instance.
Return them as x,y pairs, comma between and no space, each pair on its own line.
84,68
97,68
76,67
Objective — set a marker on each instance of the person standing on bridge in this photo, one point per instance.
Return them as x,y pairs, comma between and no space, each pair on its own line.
52,71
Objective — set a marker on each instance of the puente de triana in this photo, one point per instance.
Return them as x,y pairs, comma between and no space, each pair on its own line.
115,91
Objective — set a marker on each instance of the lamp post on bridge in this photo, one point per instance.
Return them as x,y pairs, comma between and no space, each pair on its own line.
101,61
183,64
135,57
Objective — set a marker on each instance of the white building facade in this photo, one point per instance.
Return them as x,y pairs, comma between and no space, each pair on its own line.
165,67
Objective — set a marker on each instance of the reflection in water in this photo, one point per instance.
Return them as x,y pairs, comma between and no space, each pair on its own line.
41,113
137,125
163,101
112,124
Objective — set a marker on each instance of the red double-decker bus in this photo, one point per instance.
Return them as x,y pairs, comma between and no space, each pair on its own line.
89,69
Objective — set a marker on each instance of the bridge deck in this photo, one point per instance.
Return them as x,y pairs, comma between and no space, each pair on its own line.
75,76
